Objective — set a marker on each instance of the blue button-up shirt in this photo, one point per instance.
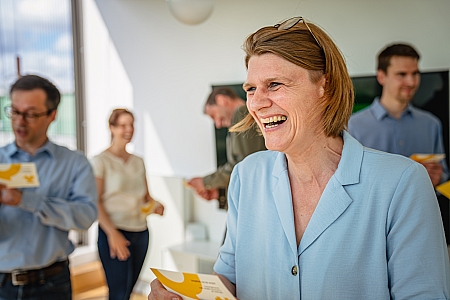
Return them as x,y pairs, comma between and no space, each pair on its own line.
34,234
417,131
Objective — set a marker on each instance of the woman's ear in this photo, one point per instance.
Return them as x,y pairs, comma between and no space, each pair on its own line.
322,83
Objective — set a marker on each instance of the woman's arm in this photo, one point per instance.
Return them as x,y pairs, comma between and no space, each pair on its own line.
159,208
118,244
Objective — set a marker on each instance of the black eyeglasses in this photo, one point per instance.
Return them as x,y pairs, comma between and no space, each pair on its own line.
289,23
27,116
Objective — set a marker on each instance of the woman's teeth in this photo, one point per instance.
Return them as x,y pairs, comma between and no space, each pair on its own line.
273,121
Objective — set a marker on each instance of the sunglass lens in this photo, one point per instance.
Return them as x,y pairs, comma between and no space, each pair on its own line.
288,24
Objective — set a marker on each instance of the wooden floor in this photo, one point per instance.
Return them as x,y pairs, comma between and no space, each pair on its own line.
88,283
102,294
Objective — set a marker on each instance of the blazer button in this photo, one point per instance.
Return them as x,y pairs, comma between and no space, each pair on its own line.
294,270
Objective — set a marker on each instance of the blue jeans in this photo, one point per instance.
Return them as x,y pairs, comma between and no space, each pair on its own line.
56,287
121,276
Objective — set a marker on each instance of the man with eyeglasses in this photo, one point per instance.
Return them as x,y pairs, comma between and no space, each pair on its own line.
34,222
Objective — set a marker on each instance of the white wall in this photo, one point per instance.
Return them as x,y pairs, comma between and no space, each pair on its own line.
139,56
107,82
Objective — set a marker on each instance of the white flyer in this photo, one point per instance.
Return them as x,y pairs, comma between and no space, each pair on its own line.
19,175
194,286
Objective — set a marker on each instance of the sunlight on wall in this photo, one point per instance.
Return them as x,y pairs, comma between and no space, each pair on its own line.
154,149
107,83
167,230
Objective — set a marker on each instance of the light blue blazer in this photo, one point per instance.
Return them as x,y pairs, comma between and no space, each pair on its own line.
376,232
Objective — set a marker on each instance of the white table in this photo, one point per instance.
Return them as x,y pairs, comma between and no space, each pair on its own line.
195,256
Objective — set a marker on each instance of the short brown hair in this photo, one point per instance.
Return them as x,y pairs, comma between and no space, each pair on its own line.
226,91
30,82
384,57
115,114
298,46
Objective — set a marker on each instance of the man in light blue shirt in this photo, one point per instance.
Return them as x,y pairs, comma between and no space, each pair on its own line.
391,123
34,222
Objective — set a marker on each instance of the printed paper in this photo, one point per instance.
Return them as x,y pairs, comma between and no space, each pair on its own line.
19,175
444,189
194,286
427,158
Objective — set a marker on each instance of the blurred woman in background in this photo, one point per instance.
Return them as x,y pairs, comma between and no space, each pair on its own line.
124,202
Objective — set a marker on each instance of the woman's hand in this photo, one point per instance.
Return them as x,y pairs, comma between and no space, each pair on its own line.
118,246
159,209
159,292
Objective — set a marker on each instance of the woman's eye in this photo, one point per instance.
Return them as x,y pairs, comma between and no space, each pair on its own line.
273,85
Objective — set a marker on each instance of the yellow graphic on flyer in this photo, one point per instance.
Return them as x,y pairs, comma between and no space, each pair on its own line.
194,286
191,286
13,170
29,178
147,209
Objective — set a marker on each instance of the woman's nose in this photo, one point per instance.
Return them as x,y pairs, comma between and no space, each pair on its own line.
258,100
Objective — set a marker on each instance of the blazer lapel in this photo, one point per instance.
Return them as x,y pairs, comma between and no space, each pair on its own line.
333,203
281,192
335,200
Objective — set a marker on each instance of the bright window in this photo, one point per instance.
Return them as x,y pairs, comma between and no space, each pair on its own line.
36,38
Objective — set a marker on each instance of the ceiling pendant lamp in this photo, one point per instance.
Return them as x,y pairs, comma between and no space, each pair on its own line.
191,12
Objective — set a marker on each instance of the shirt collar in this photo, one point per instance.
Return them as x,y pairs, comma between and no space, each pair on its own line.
380,112
48,147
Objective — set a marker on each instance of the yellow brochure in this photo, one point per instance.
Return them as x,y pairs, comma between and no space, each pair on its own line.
19,175
444,189
194,286
427,158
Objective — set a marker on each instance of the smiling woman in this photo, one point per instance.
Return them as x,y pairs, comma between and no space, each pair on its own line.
124,203
319,216
36,38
